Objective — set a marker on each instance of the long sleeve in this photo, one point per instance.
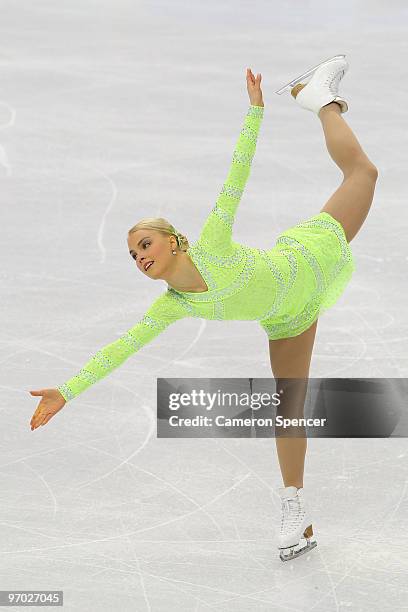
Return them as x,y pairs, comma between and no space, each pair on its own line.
164,311
216,233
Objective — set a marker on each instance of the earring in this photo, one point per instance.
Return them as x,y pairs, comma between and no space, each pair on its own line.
174,252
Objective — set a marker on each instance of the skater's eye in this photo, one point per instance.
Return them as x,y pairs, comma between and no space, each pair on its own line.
134,256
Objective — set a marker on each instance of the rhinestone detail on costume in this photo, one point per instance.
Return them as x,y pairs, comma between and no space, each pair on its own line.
310,258
345,255
228,261
226,292
283,287
312,307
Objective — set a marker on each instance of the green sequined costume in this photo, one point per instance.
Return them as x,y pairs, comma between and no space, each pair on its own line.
285,288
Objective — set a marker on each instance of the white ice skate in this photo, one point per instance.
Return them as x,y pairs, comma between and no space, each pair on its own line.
322,86
295,524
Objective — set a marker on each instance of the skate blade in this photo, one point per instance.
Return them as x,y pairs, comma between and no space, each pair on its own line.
298,79
291,553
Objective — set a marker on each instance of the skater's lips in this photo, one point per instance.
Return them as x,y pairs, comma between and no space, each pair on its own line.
147,264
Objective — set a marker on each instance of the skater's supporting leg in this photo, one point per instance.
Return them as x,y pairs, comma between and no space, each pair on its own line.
290,358
291,442
351,202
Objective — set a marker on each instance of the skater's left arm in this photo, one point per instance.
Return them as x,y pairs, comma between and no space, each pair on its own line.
254,88
216,234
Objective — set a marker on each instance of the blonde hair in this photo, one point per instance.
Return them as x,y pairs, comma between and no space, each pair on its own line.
161,225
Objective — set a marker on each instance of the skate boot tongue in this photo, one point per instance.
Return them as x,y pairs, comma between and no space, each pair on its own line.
287,492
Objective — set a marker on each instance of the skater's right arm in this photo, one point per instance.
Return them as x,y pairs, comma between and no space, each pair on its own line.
164,311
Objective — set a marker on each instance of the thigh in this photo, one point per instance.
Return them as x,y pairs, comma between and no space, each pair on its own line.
351,202
290,357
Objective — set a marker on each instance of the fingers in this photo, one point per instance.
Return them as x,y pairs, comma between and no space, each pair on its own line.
250,76
38,419
39,422
34,419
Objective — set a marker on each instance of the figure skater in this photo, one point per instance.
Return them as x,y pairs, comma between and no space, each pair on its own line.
285,288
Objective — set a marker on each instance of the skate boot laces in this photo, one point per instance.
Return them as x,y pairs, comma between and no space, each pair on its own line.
332,81
292,514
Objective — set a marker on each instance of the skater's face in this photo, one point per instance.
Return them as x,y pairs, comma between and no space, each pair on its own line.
146,245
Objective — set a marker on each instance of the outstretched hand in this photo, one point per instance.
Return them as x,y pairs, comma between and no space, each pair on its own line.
51,402
254,88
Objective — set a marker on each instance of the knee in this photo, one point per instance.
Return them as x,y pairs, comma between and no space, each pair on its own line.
373,171
368,168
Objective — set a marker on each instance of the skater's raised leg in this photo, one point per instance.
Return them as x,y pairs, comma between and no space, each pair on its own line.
351,202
